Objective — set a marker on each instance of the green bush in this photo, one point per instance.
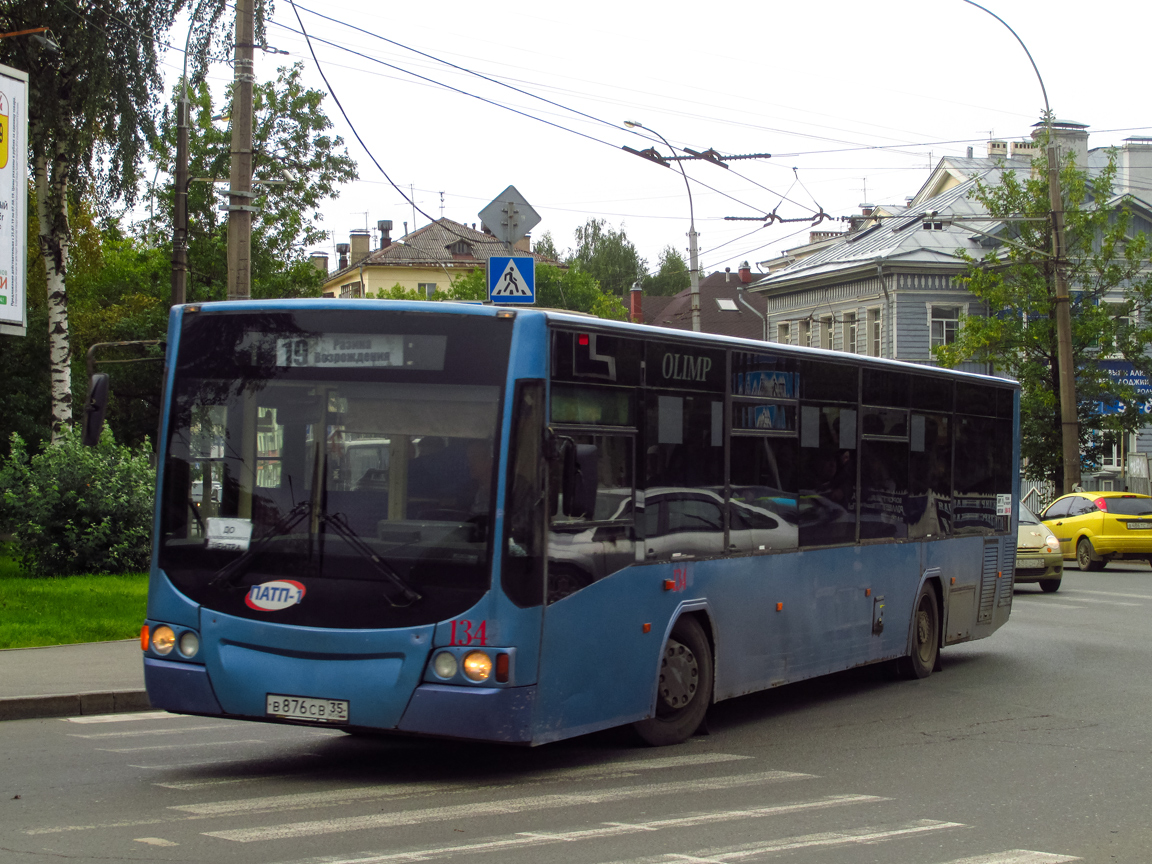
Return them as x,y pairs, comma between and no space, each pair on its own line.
75,509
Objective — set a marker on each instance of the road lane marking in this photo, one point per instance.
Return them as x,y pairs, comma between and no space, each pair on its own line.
302,800
137,732
186,746
1114,594
525,839
1053,604
155,841
1017,856
1072,596
185,785
498,808
856,836
124,718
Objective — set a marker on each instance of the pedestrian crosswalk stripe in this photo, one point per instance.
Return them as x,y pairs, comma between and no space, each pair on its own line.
124,718
526,839
501,808
730,854
300,800
1017,856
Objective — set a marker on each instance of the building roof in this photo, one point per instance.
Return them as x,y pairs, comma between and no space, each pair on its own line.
443,243
721,310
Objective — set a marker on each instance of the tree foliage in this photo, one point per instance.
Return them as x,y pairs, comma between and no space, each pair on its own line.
671,278
608,256
1108,268
90,114
556,288
77,509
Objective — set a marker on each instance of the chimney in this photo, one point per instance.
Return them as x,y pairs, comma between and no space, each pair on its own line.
320,262
866,209
969,152
524,244
1070,137
745,272
384,226
1135,164
636,310
727,275
997,148
342,251
361,242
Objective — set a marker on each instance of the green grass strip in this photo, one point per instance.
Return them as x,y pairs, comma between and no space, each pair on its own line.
62,611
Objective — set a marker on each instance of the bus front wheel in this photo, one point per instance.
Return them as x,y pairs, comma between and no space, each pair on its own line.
685,686
925,636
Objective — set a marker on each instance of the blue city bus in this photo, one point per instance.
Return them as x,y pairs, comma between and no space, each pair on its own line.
524,525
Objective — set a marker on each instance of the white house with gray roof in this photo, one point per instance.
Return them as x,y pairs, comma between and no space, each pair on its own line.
889,289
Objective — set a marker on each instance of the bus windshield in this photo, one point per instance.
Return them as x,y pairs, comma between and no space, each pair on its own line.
350,454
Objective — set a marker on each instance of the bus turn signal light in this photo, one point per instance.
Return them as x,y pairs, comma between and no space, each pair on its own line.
669,585
502,668
144,638
779,607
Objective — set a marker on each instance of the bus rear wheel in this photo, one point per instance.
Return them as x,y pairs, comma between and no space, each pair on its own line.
685,686
925,637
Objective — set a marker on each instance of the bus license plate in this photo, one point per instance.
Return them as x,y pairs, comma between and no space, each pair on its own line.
306,708
1133,526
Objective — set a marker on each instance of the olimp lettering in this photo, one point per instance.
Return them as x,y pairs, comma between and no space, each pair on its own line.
684,367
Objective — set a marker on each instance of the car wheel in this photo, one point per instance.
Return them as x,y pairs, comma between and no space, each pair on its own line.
925,637
685,686
1049,586
1086,556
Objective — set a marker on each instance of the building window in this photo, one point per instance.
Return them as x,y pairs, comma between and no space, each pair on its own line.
782,334
352,289
426,289
874,333
461,247
1111,453
826,334
850,332
806,333
944,323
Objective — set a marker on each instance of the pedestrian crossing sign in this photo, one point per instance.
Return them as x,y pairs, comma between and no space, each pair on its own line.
512,280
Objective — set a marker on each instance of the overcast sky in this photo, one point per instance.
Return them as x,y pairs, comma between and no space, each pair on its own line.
854,100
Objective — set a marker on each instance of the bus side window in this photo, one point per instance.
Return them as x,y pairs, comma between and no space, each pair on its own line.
684,493
929,507
762,507
584,549
827,506
522,574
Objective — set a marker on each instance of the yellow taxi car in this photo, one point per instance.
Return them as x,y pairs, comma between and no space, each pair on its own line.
1038,557
1098,527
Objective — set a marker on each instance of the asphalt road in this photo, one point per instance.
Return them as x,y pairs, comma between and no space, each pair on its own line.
1031,746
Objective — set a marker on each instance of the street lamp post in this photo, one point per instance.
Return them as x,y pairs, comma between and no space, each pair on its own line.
1069,419
693,255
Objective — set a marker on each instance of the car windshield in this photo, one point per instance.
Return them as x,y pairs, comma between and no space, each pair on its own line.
1027,517
359,464
1129,505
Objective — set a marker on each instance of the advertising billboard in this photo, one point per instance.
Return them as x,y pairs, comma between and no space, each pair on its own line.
13,201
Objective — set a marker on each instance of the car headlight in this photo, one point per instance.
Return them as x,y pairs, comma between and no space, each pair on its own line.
189,644
477,666
163,639
1053,543
445,665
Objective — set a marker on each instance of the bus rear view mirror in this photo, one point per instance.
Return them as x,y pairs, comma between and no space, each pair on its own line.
94,409
580,463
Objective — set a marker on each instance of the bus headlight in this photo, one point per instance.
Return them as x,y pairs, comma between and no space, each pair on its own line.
445,665
189,643
477,666
163,639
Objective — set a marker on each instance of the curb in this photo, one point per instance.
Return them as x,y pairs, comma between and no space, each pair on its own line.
102,702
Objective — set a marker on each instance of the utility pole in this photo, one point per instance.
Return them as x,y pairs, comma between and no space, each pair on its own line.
1069,418
240,193
180,205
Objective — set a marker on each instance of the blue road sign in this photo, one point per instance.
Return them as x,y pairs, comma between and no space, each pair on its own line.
512,280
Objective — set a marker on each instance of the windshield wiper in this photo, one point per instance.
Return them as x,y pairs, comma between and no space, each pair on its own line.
227,575
340,526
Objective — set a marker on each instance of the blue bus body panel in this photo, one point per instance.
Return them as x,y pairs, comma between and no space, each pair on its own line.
183,688
488,713
375,670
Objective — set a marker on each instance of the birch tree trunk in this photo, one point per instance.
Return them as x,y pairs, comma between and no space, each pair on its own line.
52,209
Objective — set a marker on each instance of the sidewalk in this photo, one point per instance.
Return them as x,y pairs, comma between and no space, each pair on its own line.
69,680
